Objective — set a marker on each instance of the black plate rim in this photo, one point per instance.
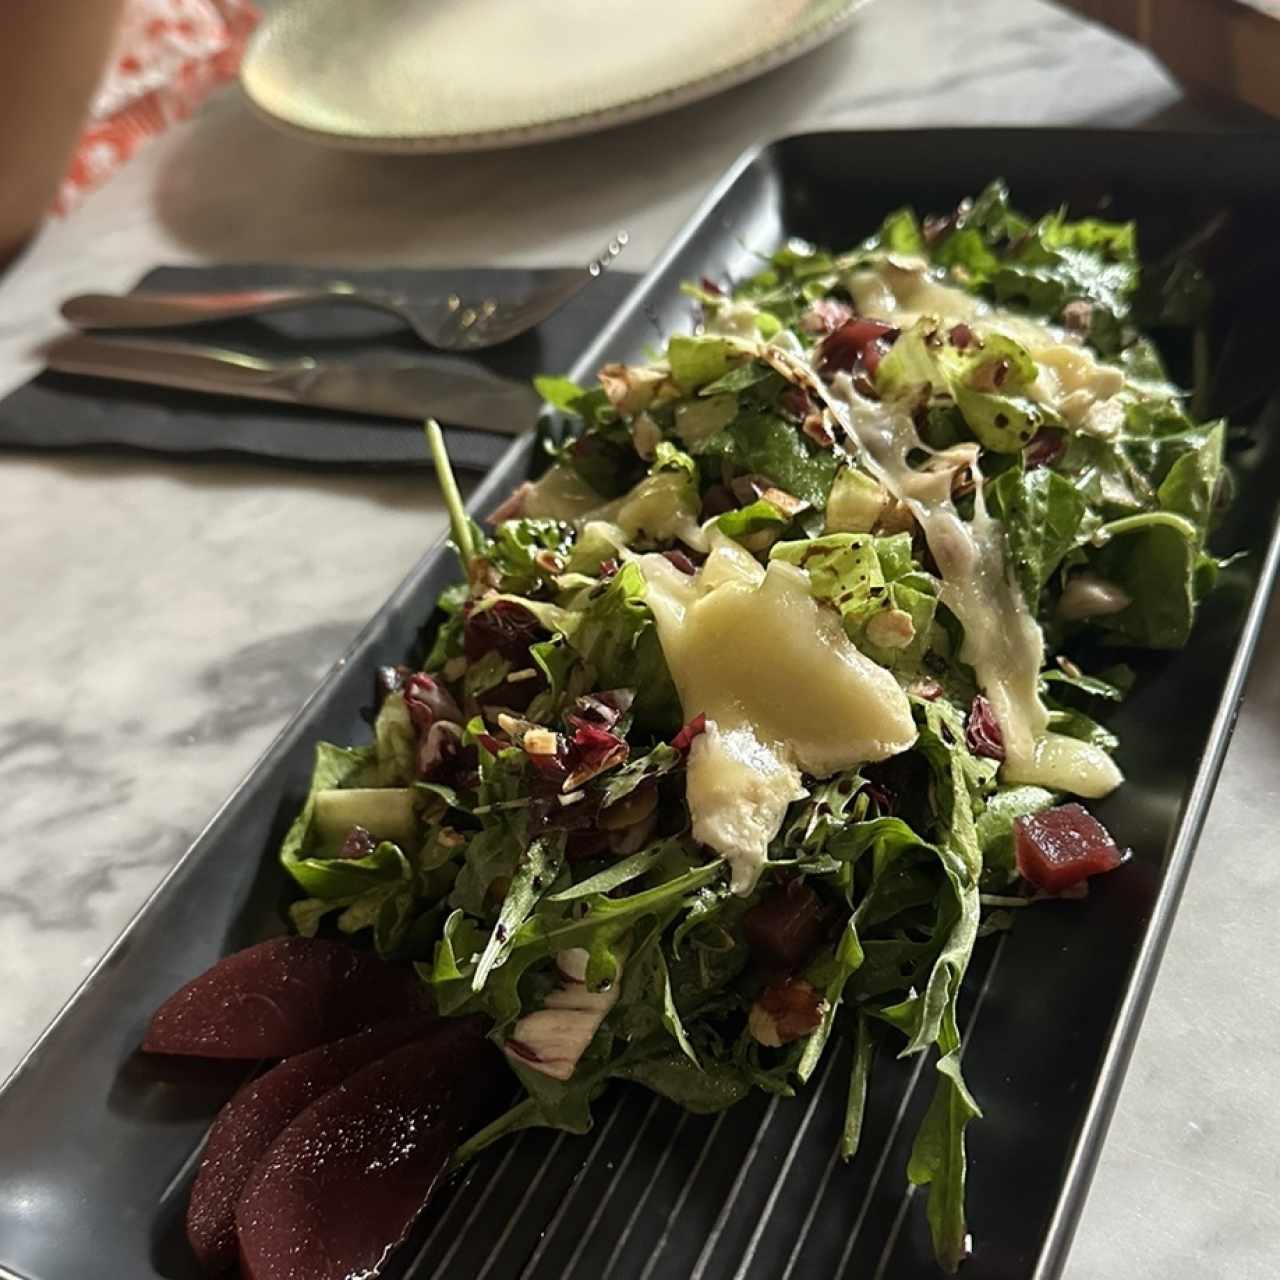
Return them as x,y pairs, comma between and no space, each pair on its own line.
1126,1024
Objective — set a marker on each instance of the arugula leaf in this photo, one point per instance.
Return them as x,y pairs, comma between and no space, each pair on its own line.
1048,263
701,1090
762,441
937,1156
899,233
830,974
864,1048
535,873
1154,558
613,877
1042,514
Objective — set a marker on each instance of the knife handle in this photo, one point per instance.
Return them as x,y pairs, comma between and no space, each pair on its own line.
163,310
178,364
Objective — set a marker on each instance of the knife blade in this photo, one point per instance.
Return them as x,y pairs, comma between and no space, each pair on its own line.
458,392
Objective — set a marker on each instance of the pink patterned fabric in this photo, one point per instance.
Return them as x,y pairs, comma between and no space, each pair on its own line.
169,55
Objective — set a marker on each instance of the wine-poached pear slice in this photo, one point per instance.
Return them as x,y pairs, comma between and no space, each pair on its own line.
342,1184
253,1119
282,997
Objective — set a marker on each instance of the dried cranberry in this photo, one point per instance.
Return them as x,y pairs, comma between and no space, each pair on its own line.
982,731
710,286
504,627
1060,847
608,568
684,739
681,561
960,337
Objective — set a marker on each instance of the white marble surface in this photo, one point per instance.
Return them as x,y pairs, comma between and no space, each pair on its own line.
159,620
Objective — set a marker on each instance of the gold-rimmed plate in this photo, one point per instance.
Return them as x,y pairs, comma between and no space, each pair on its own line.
463,75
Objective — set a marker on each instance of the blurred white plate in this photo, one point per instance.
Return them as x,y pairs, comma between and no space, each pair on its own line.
461,75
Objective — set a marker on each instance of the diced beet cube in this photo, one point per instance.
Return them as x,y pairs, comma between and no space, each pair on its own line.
1062,846
784,928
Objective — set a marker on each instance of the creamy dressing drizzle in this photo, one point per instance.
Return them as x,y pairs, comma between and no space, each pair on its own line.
1003,643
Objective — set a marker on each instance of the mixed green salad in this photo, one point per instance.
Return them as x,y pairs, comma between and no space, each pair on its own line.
757,709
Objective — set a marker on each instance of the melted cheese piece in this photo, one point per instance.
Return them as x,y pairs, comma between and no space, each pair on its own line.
1072,381
1002,641
903,289
552,1039
783,688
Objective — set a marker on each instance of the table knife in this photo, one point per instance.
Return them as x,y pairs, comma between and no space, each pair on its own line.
459,392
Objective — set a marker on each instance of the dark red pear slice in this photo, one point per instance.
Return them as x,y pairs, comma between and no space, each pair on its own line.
254,1118
342,1185
282,997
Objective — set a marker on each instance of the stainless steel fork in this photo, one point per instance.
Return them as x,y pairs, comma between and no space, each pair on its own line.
448,324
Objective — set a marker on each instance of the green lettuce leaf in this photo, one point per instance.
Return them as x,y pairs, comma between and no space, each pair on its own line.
1042,514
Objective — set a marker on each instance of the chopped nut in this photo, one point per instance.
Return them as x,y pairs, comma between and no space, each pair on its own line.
784,1012
630,388
787,503
1077,316
540,742
525,673
891,629
896,518
815,426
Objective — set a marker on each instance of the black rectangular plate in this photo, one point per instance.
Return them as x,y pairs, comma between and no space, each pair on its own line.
98,1143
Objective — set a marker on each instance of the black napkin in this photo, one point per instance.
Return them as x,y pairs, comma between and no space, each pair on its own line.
65,411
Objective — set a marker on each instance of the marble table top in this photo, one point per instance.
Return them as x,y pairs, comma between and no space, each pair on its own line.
160,619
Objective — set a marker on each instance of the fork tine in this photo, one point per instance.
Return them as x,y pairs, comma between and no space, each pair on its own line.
494,322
